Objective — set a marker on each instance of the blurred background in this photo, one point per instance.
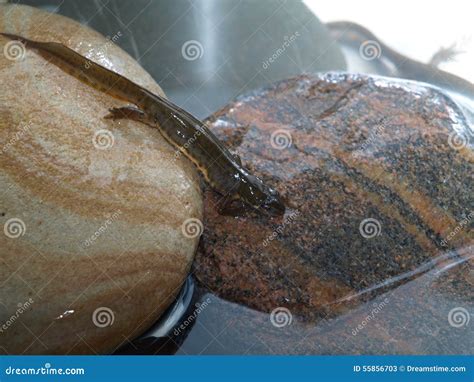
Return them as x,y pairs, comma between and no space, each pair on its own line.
205,53
415,29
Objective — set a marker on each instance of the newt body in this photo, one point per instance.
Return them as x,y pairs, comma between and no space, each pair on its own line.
221,169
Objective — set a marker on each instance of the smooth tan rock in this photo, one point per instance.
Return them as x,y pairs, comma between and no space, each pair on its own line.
92,249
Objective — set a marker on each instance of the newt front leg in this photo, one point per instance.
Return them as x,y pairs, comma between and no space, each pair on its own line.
229,204
127,112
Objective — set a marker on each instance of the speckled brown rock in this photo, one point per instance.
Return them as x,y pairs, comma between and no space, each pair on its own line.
377,176
91,209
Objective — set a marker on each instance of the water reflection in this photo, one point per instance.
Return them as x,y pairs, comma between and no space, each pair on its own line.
411,319
417,317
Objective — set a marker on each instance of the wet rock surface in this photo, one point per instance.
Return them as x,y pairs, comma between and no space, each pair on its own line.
91,226
377,177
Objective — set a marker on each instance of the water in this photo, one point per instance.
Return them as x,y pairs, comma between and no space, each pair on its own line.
425,314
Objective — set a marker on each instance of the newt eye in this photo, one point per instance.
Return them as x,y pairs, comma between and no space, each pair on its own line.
273,192
273,203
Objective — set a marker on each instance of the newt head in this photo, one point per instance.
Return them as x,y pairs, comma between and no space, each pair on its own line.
257,194
273,203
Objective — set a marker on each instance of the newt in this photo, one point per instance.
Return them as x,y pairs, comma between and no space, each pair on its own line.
222,170
354,35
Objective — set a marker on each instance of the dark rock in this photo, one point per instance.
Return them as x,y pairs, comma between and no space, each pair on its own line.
378,186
